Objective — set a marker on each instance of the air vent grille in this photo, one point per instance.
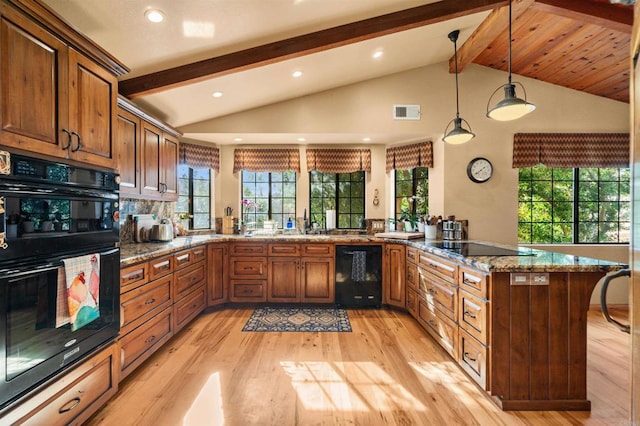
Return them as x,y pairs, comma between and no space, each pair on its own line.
406,112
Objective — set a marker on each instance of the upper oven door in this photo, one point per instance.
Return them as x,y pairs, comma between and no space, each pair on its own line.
41,220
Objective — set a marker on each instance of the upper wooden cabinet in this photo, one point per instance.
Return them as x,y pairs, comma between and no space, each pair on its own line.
54,100
148,160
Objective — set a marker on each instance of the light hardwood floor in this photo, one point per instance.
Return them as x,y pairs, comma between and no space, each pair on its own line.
388,371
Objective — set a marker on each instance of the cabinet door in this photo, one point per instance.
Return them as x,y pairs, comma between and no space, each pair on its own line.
394,283
317,281
92,110
283,282
128,131
33,89
169,168
217,271
150,169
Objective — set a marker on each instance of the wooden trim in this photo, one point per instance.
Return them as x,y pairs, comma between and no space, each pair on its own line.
304,44
598,13
47,17
128,106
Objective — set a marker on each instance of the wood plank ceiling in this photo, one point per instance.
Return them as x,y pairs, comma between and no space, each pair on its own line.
579,44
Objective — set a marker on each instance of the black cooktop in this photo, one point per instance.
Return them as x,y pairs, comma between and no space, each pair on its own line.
477,249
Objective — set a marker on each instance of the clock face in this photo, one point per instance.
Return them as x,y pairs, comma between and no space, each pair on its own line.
479,170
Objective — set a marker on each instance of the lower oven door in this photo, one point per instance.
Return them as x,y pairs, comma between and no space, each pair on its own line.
37,339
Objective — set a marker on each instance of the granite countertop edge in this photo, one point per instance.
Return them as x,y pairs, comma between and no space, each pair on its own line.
539,261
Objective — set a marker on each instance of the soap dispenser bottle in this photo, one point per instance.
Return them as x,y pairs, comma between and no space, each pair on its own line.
289,223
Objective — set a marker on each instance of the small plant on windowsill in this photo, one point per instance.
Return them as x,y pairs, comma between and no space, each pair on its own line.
184,219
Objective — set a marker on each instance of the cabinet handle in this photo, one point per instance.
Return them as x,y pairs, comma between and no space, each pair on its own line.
470,315
150,301
469,357
150,338
433,266
469,282
193,280
432,290
69,405
433,324
68,139
135,276
77,148
161,266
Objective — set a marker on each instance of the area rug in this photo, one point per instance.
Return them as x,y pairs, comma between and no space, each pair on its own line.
298,319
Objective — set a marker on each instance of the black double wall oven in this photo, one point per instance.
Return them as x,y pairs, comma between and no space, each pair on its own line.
50,214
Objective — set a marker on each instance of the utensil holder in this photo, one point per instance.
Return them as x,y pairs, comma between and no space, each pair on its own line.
431,232
227,225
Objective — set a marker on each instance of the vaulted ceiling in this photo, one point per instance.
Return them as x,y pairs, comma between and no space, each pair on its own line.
247,49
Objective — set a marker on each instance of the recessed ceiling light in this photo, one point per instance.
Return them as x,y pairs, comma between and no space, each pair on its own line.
377,54
366,139
154,15
217,94
301,139
296,74
237,139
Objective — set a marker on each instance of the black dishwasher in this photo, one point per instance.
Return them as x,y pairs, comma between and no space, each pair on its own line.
359,276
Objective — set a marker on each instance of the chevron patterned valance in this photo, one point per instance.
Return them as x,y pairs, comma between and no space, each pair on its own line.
199,156
409,157
339,160
571,149
266,160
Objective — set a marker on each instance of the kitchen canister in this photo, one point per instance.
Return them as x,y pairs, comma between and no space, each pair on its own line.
331,219
430,232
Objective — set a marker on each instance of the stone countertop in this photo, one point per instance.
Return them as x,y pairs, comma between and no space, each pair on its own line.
535,260
538,261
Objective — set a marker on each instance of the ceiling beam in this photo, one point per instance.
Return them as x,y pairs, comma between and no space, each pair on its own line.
303,45
495,24
610,16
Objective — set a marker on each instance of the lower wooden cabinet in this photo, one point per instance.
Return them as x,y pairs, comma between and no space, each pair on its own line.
74,396
472,356
317,281
189,306
217,274
248,290
412,302
440,327
394,292
283,282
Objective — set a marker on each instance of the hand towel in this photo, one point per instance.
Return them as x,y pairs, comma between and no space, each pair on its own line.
359,266
83,289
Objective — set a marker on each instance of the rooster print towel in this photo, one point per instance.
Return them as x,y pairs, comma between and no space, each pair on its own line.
83,289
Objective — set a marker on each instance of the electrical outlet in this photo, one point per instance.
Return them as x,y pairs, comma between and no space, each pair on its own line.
540,278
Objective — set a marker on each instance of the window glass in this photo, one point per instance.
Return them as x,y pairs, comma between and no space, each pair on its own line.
567,205
268,195
194,196
343,192
412,191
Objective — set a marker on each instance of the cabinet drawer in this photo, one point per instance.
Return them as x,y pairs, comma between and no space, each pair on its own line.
189,307
442,329
473,315
187,279
284,250
72,398
183,259
412,302
473,281
248,291
199,253
412,276
133,276
248,267
472,357
327,250
141,303
441,267
244,249
413,255
438,292
138,345
160,267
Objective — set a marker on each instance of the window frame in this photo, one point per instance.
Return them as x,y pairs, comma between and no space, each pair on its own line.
191,197
247,215
415,182
336,198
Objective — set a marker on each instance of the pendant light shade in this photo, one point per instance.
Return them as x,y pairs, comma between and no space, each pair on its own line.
457,135
511,107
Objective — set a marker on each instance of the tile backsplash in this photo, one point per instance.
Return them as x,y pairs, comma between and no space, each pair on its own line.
128,207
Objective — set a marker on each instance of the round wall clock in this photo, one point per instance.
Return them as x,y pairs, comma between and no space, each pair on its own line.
479,170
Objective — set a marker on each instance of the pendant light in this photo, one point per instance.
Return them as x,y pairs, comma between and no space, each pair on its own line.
511,107
457,135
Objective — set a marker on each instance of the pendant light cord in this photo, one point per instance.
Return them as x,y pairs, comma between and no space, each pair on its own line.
509,59
455,54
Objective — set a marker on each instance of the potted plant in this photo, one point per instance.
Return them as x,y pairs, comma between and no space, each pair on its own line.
410,220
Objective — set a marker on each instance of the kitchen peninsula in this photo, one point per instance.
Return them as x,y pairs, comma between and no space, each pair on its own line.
515,323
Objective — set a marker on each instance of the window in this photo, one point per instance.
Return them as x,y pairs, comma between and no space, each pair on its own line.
343,192
194,196
412,185
268,195
573,205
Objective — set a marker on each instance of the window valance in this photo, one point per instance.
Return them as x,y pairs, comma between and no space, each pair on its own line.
266,160
199,156
571,149
339,160
409,157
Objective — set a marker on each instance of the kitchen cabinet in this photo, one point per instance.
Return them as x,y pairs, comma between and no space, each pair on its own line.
248,272
283,282
148,162
318,279
394,275
74,396
55,100
218,274
189,291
